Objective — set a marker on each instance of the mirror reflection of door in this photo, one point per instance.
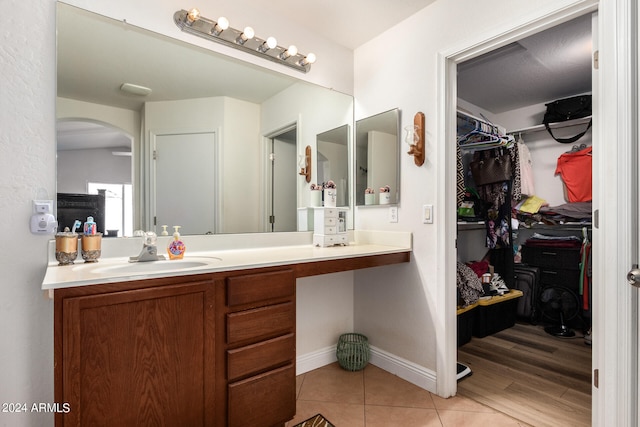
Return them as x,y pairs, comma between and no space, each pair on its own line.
185,176
283,186
94,155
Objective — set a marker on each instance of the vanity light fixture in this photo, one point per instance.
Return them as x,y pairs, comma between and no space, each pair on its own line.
245,40
415,139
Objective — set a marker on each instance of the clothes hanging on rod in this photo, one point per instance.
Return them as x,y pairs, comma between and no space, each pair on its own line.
526,168
476,134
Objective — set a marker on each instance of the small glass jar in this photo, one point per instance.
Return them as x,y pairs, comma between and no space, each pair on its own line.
66,247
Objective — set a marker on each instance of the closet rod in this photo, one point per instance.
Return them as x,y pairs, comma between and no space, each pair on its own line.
559,125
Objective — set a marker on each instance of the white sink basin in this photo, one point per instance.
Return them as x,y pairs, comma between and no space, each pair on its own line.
153,266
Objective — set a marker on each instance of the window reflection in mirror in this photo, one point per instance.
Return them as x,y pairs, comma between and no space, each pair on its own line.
242,105
377,158
333,161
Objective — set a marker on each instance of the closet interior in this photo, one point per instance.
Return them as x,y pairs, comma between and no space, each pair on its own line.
524,192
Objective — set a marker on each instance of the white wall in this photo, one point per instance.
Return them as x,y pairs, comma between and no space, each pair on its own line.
76,168
27,144
399,69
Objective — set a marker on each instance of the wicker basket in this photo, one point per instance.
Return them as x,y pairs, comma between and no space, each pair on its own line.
353,351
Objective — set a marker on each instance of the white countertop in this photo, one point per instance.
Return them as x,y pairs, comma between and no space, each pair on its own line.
242,255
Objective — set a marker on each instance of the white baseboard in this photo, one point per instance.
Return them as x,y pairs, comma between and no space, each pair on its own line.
317,359
408,371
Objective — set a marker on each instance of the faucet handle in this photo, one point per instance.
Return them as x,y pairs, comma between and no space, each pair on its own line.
150,238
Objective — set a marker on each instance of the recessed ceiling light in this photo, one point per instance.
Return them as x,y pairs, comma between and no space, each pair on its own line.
135,89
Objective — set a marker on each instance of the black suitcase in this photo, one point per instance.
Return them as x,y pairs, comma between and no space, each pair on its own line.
527,280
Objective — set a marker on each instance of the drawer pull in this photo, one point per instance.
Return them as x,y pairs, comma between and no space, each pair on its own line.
549,253
549,272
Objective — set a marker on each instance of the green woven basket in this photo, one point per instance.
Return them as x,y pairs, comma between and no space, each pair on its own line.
353,351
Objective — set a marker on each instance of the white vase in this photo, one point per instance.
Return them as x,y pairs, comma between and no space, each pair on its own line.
369,199
385,198
330,197
315,201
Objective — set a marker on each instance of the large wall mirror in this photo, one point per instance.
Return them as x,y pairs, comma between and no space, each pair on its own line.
187,140
378,159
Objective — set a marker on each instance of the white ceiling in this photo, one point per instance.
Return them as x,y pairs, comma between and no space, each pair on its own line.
349,23
550,65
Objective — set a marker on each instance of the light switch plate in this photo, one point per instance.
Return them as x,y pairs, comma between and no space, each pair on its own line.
393,214
427,214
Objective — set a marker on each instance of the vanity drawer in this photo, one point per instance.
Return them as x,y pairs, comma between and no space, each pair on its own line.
276,392
330,212
330,230
331,221
260,357
544,256
254,288
330,239
261,323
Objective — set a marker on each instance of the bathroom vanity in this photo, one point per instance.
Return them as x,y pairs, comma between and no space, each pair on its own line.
210,345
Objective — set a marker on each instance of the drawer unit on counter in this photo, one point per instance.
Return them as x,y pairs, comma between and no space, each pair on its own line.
260,348
330,226
558,266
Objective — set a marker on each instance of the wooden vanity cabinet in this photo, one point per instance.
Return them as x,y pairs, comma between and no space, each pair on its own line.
137,353
206,350
215,349
261,348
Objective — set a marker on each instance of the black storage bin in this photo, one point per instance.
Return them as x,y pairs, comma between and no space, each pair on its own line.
496,314
465,318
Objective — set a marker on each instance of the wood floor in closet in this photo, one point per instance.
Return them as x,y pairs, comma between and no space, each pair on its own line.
530,375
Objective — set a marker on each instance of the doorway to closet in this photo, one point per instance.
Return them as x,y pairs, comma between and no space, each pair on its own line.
522,370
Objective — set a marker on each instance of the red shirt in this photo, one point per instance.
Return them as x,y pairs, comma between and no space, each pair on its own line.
575,170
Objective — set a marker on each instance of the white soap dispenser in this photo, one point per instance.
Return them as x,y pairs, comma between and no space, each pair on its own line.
176,247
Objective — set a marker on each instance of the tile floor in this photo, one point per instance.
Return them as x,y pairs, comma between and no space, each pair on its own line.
375,398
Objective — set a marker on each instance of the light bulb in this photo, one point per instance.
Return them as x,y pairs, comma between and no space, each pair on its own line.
193,15
221,25
307,60
292,51
249,33
272,42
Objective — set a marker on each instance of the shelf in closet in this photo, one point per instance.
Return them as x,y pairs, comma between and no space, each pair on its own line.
559,125
567,226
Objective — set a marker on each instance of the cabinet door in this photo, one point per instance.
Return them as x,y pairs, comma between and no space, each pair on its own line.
140,358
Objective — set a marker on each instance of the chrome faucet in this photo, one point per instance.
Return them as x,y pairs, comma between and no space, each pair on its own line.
149,250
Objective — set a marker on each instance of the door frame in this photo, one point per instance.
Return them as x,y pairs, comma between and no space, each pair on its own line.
615,343
267,191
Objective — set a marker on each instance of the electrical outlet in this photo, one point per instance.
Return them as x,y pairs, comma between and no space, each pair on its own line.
43,206
427,214
393,214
